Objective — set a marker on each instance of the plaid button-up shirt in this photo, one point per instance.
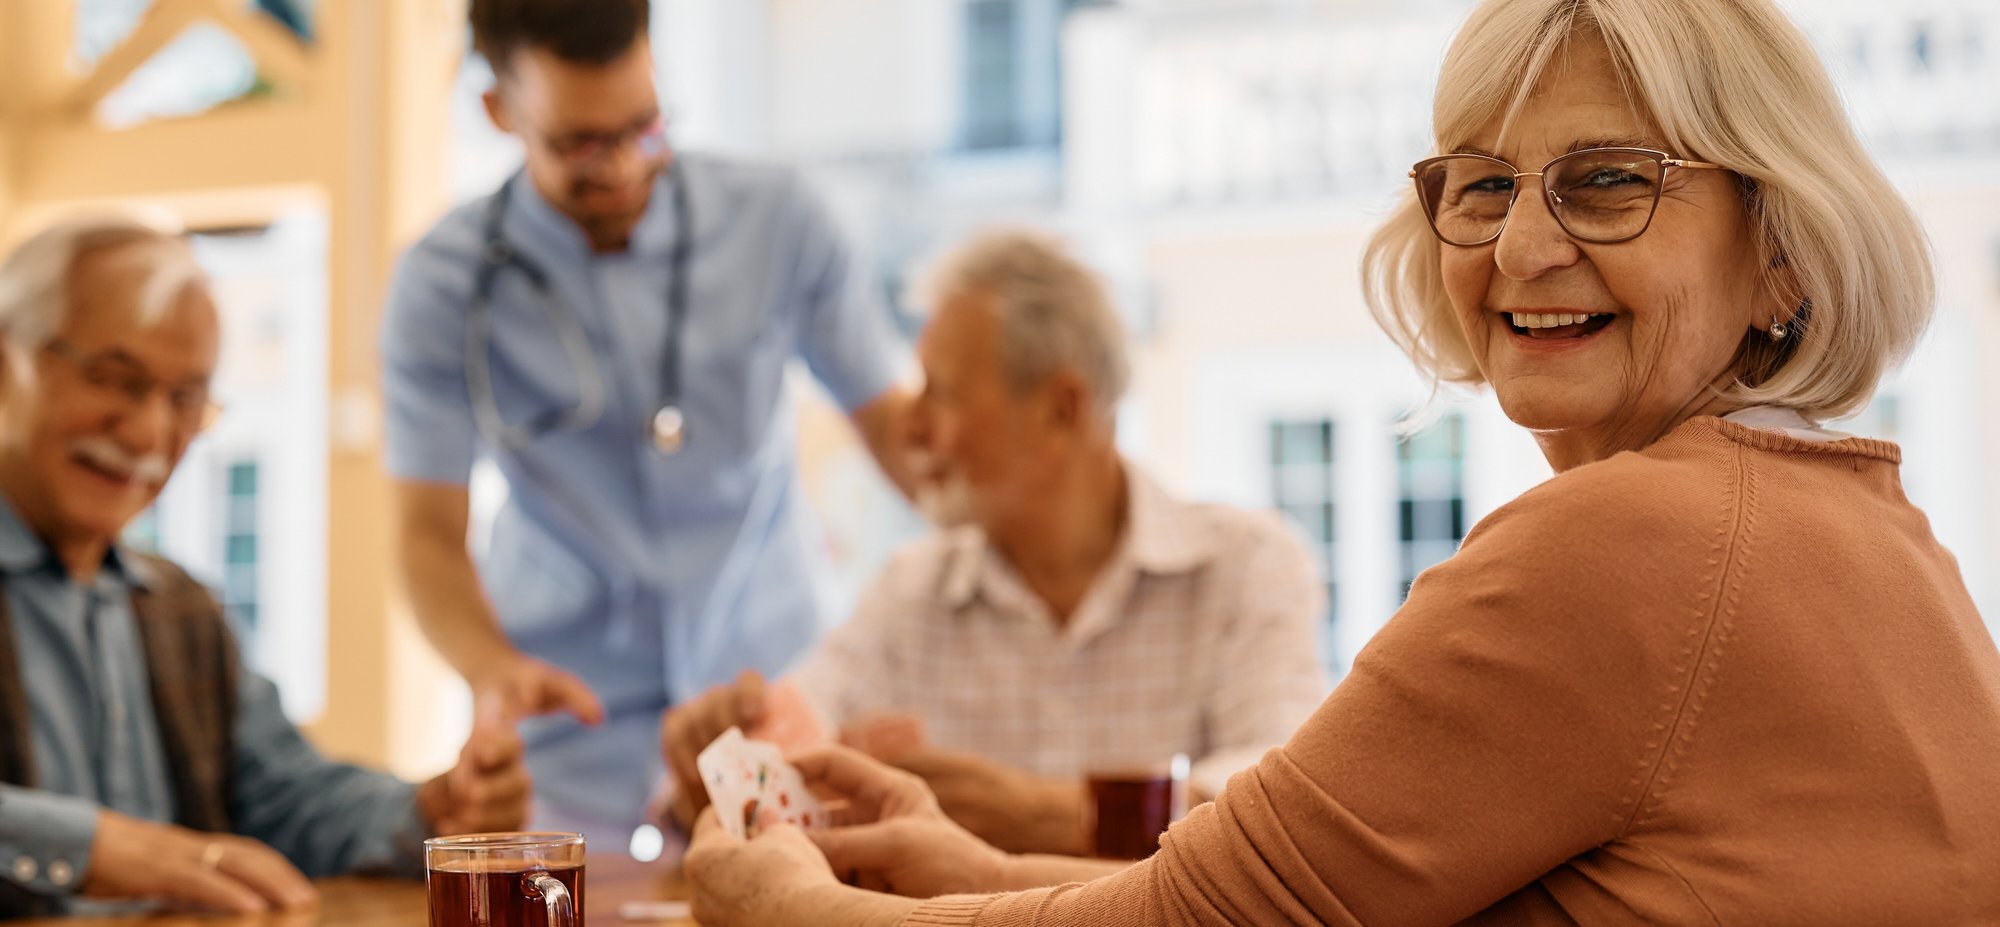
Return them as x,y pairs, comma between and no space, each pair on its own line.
1199,637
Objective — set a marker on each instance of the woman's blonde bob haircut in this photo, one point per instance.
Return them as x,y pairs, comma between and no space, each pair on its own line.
1728,81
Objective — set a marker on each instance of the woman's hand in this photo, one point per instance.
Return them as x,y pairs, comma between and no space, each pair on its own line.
897,839
774,879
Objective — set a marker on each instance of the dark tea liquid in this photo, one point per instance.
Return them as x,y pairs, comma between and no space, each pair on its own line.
498,895
1132,814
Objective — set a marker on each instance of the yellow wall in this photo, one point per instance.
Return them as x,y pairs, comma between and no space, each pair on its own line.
7,137
26,84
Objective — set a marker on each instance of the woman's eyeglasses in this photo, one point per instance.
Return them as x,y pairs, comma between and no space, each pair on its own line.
1600,195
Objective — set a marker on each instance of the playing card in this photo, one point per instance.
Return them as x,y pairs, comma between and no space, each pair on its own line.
732,787
785,791
780,787
744,776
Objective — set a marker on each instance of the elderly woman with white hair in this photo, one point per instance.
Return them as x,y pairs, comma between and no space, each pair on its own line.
1716,670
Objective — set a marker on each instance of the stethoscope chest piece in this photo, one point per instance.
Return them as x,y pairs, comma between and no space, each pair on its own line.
669,430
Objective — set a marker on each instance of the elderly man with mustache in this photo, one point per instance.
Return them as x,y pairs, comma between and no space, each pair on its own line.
139,760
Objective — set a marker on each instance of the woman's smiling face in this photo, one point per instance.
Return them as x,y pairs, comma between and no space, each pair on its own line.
1676,303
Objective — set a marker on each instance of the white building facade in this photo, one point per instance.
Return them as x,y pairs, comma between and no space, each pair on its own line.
1224,163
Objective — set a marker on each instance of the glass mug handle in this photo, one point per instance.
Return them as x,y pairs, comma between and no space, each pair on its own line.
561,907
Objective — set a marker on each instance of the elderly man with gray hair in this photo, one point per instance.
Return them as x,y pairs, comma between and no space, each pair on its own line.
140,762
1070,616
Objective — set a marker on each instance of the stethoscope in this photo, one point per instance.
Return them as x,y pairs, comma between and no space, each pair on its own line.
668,423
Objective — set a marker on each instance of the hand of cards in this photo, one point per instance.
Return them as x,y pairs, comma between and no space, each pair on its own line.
745,776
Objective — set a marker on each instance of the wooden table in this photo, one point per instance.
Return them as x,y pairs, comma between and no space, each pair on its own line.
609,882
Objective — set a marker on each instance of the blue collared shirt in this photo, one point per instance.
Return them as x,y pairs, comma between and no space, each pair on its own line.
97,743
650,576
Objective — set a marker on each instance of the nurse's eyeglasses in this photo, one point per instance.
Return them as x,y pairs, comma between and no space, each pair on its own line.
1600,195
584,151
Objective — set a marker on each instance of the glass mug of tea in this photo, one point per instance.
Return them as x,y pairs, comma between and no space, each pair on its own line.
505,880
1131,806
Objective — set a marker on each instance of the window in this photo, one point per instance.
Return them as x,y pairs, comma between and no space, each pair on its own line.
1302,489
143,533
203,66
239,542
1882,418
1430,478
1012,93
992,80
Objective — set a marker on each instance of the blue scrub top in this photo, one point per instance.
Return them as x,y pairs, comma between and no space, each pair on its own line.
650,576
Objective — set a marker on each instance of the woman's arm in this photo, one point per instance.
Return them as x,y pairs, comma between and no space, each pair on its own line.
1038,871
1508,719
1512,716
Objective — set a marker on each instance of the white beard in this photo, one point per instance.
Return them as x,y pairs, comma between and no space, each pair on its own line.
947,503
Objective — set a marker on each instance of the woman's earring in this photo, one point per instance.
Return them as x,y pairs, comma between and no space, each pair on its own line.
1778,330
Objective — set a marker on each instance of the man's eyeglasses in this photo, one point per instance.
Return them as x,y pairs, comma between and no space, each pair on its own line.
116,378
1600,195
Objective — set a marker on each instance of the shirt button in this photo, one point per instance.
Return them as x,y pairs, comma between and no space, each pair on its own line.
62,873
25,869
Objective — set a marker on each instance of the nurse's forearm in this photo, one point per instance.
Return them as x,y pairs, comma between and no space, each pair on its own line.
443,585
453,612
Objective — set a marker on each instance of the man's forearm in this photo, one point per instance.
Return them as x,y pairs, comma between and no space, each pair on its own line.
56,832
1058,820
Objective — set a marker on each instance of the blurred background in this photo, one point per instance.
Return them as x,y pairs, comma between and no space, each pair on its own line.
1220,161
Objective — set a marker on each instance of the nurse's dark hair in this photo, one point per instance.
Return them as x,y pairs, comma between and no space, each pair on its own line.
592,32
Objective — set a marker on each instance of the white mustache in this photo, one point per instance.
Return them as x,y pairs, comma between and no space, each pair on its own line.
104,453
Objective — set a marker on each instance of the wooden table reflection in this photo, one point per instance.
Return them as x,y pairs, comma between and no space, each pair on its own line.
611,881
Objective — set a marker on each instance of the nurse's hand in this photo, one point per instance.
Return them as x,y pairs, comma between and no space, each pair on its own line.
529,687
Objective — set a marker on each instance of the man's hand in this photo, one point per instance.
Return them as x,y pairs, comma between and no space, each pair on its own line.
528,687
691,726
885,736
489,789
895,837
131,859
1008,808
772,712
